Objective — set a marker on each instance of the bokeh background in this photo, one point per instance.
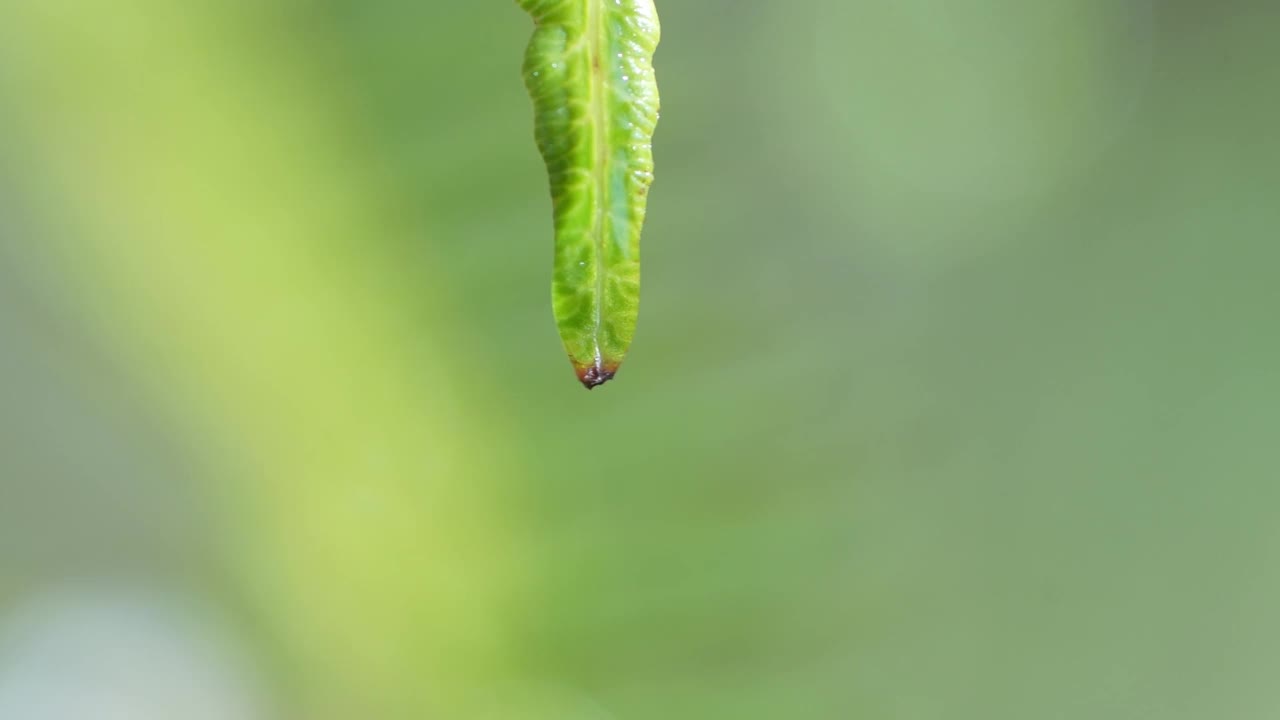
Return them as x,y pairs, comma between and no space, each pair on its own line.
954,394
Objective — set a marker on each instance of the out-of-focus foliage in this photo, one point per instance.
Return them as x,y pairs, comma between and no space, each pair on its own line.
954,393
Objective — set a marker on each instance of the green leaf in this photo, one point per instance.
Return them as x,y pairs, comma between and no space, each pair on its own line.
589,71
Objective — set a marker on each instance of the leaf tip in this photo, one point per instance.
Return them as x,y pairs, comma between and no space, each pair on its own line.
595,374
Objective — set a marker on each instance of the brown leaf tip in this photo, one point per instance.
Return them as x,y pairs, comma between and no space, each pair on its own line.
596,374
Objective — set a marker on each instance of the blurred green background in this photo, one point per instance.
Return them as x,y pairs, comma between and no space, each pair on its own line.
954,393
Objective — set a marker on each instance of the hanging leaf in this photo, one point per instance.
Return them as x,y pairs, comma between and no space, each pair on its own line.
589,71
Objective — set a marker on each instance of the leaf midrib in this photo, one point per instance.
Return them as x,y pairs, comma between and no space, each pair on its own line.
596,38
